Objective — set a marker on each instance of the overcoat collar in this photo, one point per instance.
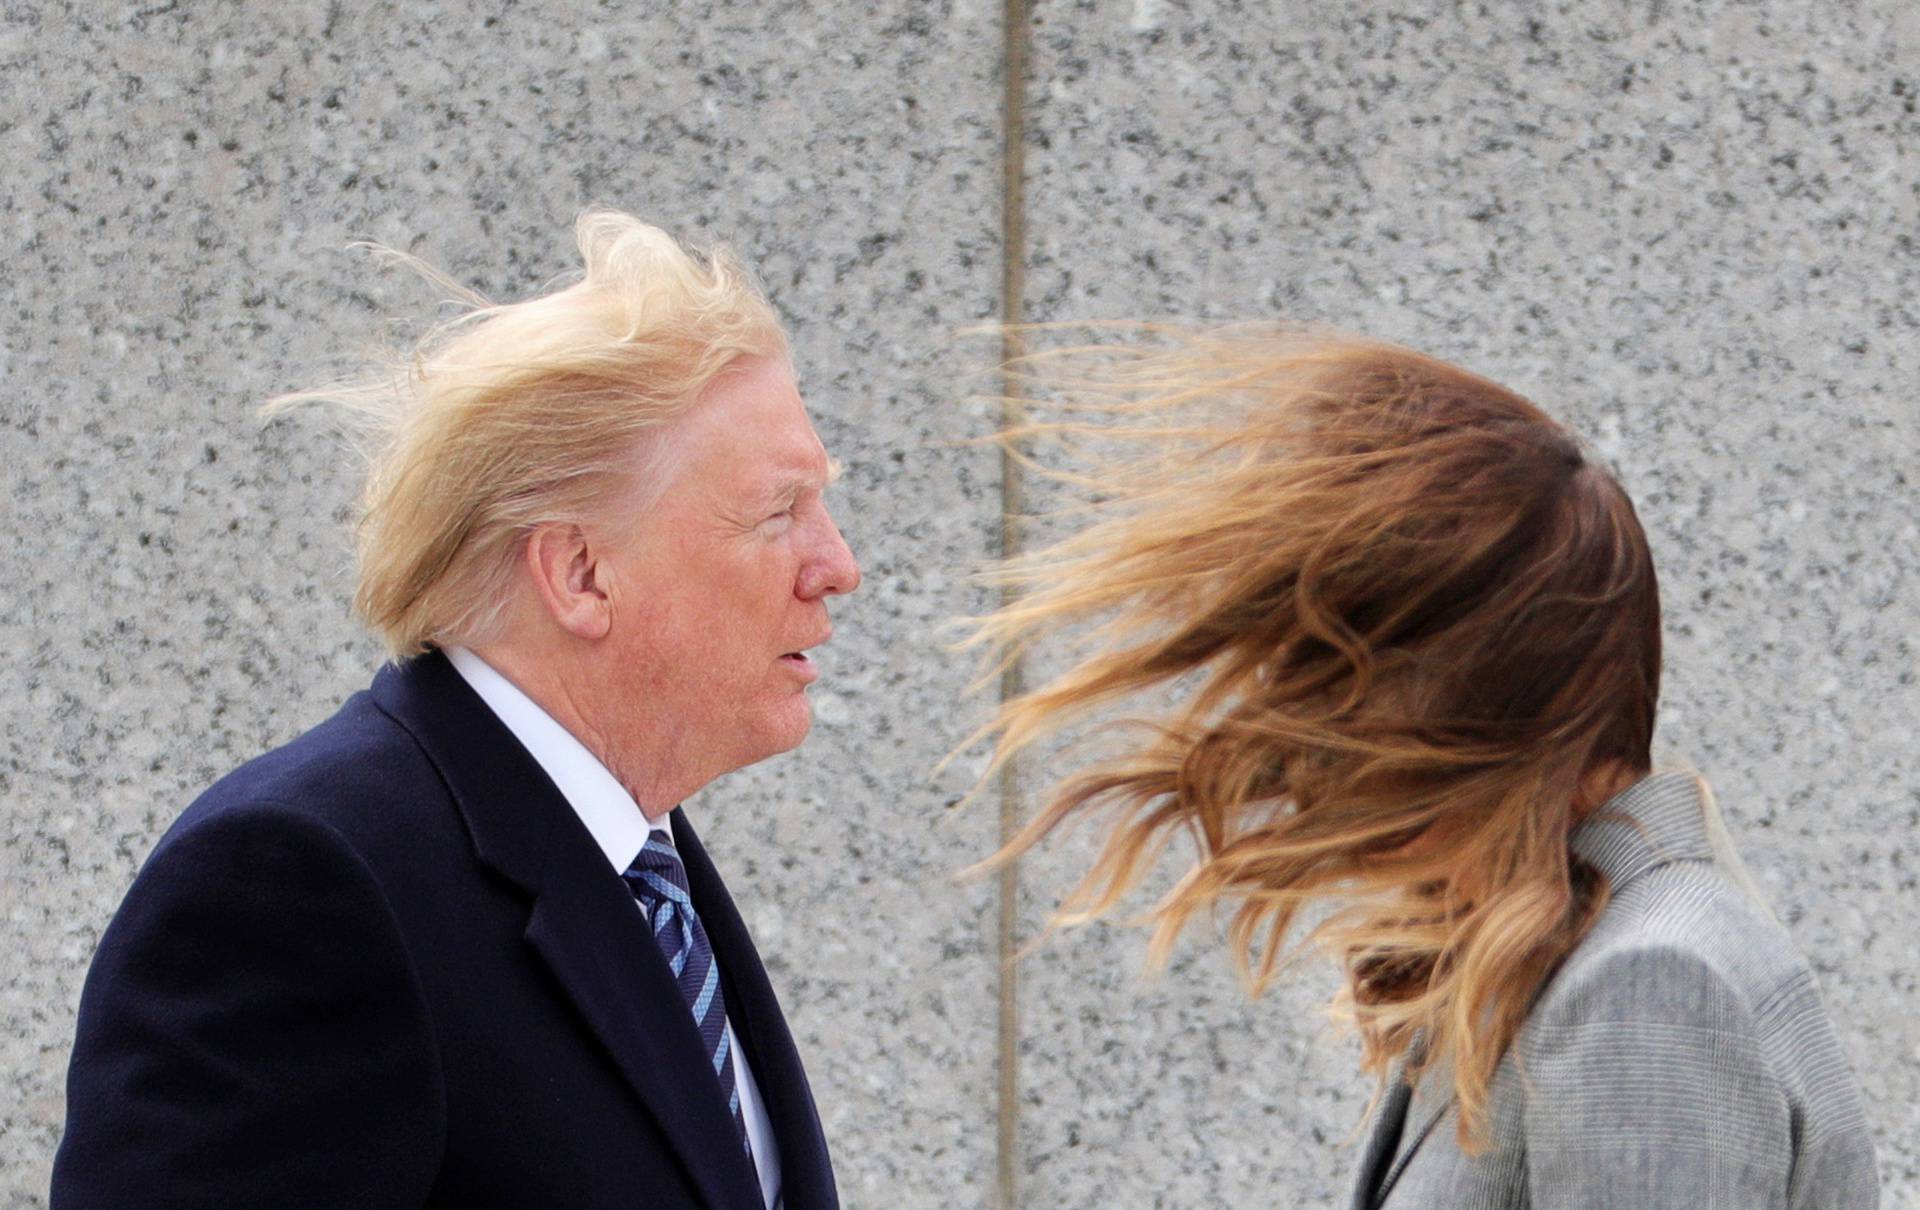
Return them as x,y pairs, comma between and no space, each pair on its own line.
1658,820
582,922
1654,822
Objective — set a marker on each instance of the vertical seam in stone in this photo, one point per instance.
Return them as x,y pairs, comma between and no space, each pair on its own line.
1013,279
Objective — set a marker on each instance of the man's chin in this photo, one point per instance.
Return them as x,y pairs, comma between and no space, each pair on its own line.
801,730
788,730
803,726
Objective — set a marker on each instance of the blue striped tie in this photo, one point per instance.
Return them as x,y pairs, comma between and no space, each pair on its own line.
659,882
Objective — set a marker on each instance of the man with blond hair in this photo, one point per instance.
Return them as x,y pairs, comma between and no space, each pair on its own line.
458,946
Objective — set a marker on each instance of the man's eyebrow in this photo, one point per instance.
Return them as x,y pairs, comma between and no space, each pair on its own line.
790,486
806,479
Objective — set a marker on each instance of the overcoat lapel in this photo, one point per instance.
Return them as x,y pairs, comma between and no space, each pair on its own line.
602,954
1424,1107
806,1170
582,921
1402,1122
1383,1133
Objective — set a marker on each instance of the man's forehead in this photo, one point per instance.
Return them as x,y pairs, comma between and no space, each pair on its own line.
771,463
751,435
761,408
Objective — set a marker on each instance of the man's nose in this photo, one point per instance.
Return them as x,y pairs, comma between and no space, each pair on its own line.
833,569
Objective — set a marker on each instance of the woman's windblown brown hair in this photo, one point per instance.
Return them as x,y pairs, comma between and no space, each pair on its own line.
1404,615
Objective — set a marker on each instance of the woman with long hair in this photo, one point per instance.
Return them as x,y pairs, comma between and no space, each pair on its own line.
1410,631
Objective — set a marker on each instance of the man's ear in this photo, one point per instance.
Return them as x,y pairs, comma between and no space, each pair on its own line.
565,572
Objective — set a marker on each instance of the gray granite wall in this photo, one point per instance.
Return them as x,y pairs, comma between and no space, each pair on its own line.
1688,228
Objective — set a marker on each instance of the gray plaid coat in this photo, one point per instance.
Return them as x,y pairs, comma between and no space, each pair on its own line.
1680,1058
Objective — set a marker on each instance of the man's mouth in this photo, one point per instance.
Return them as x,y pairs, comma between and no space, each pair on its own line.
803,669
801,663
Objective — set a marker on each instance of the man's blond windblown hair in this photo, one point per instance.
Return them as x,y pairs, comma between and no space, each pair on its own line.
513,415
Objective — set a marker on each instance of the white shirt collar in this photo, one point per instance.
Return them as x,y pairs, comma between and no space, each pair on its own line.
616,822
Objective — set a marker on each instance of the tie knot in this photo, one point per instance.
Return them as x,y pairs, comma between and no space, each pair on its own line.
656,873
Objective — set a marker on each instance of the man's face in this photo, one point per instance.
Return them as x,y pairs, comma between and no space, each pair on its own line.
722,585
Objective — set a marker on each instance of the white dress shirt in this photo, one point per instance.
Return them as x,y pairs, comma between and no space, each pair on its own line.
620,828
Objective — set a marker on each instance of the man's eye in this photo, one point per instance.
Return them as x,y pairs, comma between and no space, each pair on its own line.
778,521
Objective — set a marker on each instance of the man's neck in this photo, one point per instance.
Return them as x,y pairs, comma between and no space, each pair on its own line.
653,778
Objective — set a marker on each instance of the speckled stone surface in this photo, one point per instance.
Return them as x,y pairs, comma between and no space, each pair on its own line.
180,184
1690,230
